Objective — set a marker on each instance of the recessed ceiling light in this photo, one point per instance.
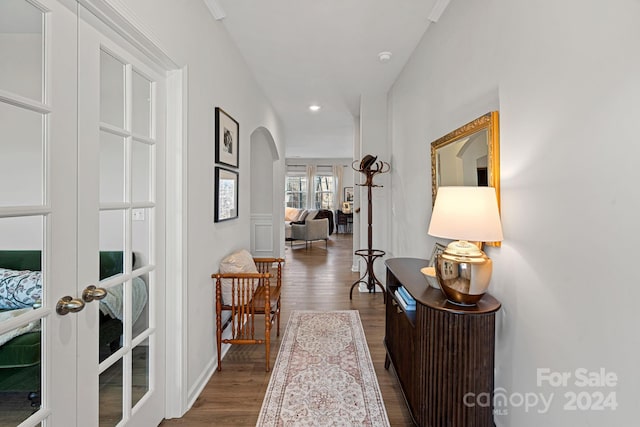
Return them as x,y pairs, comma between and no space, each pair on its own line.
384,56
314,107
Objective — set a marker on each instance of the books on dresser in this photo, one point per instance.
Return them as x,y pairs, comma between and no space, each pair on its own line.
405,299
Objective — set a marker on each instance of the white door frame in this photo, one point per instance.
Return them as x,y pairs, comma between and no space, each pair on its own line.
116,15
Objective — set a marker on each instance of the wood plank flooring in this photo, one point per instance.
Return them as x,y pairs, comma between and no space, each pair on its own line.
313,279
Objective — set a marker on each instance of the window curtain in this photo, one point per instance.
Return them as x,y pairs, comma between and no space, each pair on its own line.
337,186
311,191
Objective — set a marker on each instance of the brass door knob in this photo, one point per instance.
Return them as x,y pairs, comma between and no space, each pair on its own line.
67,304
91,293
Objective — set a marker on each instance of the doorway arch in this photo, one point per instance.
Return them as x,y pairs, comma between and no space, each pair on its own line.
265,231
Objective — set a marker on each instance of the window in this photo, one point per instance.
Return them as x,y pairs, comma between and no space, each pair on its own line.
296,192
323,186
310,186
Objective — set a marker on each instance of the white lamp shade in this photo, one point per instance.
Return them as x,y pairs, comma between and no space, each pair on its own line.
466,213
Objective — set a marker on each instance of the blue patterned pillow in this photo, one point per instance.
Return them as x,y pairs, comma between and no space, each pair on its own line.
19,289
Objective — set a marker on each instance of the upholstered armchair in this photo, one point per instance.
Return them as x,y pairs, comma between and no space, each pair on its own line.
310,230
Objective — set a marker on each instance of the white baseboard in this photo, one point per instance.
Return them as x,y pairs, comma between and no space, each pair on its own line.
206,375
201,383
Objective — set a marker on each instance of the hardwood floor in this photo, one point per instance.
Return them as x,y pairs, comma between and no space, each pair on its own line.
313,279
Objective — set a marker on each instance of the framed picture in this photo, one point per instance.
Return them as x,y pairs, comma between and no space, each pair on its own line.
227,134
348,194
437,249
226,195
346,207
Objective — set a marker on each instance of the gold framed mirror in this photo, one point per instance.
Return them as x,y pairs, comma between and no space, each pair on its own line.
469,155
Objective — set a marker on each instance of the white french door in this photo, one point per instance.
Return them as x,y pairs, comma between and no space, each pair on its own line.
38,211
82,122
121,100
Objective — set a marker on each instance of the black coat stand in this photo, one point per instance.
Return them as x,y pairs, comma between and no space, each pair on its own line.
370,168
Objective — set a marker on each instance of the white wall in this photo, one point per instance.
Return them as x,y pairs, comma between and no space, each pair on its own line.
217,76
374,141
347,176
565,76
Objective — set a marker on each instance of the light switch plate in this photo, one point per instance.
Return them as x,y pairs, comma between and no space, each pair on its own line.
138,214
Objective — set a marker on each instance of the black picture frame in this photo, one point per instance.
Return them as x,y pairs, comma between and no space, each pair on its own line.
226,194
227,138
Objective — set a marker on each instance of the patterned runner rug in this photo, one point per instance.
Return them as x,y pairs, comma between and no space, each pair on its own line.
323,375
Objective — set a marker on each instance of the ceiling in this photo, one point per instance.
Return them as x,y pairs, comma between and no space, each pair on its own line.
324,52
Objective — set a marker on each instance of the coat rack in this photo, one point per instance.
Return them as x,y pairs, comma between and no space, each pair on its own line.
370,167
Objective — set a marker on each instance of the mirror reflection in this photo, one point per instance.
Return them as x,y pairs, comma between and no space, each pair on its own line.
468,156
463,162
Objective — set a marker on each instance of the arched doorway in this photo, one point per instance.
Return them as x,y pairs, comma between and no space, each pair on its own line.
265,222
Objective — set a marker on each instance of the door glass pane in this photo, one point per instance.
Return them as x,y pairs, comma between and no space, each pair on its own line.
21,156
112,109
110,395
140,237
20,383
112,263
21,46
111,329
21,283
112,226
112,167
140,372
141,113
112,315
140,172
140,304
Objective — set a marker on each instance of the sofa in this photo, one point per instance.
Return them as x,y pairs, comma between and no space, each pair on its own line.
308,225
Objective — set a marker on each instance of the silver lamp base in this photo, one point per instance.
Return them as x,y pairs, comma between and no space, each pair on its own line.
463,274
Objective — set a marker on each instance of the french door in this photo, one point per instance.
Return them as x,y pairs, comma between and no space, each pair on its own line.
81,172
120,165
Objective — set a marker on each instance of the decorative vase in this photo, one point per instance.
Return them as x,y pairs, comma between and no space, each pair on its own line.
463,279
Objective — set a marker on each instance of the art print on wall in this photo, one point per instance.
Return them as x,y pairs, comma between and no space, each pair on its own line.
348,194
227,138
226,195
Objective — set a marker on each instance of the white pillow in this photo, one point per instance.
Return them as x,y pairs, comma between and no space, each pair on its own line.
238,262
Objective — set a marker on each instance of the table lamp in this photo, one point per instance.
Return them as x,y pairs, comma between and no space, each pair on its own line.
466,214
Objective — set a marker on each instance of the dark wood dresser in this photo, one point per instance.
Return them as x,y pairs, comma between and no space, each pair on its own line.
442,353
